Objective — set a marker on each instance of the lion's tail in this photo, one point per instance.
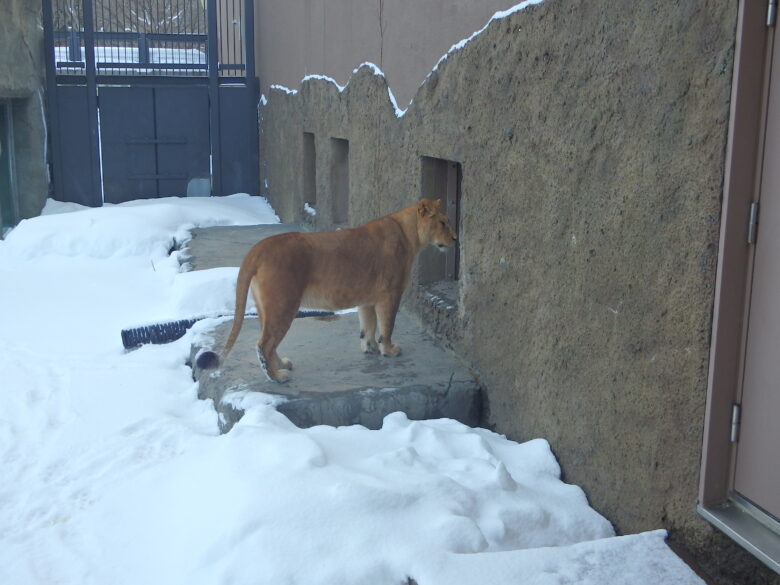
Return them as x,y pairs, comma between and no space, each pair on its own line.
209,360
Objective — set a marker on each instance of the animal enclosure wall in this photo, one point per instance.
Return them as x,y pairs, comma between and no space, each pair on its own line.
591,145
24,182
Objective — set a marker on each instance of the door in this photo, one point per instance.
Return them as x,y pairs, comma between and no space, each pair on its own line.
757,469
154,141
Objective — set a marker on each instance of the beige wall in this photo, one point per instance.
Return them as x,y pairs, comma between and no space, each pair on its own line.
405,38
591,142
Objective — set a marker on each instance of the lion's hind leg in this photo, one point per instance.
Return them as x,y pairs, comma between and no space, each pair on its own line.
275,322
367,316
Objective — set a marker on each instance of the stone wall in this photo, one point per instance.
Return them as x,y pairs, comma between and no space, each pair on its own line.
591,136
22,81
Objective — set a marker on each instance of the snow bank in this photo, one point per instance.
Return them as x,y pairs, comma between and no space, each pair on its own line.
205,293
114,472
146,227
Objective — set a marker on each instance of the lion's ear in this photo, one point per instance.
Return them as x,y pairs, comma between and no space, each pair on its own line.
437,203
425,207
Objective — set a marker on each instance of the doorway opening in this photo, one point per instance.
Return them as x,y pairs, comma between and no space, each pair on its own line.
339,180
441,179
9,197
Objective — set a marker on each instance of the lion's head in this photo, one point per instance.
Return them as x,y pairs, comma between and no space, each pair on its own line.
433,226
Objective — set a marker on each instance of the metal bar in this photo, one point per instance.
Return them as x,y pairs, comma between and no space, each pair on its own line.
156,141
213,58
107,79
130,65
236,32
133,36
102,23
51,99
92,104
74,46
253,85
156,177
160,66
249,39
143,49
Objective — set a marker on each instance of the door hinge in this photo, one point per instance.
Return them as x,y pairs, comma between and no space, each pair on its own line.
752,230
771,13
736,419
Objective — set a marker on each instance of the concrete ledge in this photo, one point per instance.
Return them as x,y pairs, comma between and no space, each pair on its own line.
215,247
334,383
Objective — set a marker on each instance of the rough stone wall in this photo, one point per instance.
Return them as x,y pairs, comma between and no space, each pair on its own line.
591,135
22,80
21,47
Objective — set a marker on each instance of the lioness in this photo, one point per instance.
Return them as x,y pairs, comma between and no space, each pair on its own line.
367,266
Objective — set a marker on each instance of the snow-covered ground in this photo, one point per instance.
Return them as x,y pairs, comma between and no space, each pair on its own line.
113,472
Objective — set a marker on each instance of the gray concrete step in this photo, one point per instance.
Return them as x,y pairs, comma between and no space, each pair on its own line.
333,381
218,246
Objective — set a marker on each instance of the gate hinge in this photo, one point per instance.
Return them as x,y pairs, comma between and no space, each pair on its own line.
752,230
771,13
736,419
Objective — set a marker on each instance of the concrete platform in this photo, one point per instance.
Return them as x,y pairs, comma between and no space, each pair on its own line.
333,381
227,245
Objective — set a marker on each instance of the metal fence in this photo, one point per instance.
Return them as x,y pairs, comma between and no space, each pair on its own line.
148,37
149,97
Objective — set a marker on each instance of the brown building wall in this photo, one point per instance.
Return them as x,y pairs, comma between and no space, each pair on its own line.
404,38
591,141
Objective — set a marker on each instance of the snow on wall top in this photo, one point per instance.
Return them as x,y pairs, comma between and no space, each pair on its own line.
378,72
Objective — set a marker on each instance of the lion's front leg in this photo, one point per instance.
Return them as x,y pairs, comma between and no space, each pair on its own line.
385,312
367,315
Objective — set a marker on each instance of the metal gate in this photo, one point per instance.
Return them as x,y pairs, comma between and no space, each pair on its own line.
151,98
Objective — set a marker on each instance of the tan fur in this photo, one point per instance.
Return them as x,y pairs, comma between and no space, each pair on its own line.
367,266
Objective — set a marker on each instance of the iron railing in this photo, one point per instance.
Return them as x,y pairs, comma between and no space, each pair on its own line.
149,37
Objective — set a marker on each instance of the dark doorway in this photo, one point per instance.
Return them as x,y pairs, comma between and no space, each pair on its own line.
441,179
339,180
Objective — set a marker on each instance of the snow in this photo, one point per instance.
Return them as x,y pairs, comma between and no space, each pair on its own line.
370,66
114,472
378,72
501,14
399,112
284,89
326,79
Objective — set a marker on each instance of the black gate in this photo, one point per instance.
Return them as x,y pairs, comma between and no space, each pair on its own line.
151,98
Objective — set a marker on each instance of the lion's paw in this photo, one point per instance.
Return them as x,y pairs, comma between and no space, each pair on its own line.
282,376
369,346
391,351
286,364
